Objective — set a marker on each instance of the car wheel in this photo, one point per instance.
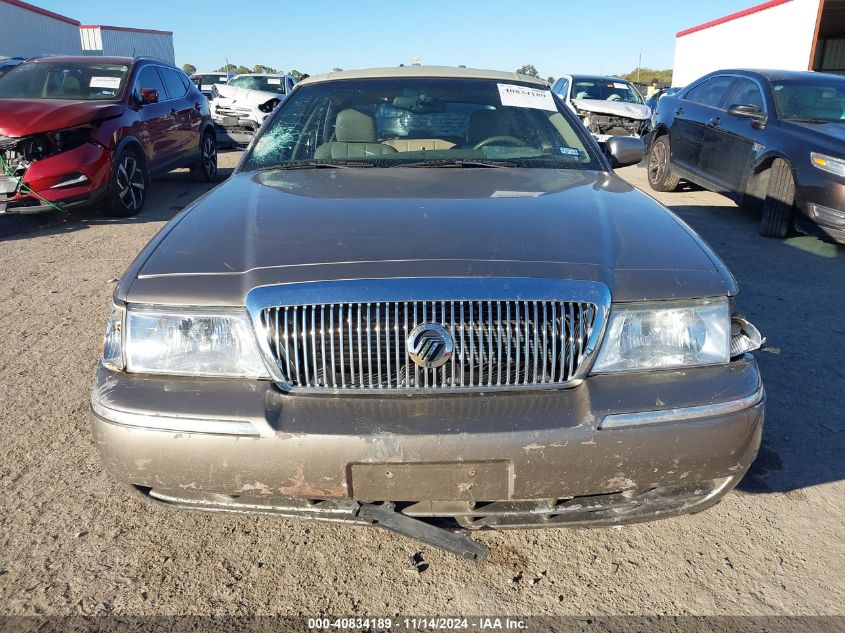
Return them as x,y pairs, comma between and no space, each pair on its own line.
779,205
659,176
205,168
127,190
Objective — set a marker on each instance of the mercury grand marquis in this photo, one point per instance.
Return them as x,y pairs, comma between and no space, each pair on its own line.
424,301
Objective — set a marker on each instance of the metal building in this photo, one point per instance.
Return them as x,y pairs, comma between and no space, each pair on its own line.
781,34
127,42
30,31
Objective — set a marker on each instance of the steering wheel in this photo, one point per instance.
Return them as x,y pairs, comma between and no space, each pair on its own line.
512,140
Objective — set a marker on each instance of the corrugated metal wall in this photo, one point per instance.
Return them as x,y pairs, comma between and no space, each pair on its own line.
28,33
131,43
833,56
24,33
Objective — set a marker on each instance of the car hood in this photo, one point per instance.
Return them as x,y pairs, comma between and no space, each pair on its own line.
616,108
245,96
276,227
22,117
831,132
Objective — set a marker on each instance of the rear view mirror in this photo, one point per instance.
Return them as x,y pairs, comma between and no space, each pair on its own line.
624,150
149,95
419,104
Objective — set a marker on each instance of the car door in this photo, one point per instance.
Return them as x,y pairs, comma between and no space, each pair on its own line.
185,112
693,111
729,140
156,122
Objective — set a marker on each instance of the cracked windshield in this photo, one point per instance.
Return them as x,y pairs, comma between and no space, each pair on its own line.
421,122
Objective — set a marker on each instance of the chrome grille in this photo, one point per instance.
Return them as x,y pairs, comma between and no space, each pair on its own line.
360,346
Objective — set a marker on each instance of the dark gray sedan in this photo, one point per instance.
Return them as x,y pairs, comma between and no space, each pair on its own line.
425,298
773,140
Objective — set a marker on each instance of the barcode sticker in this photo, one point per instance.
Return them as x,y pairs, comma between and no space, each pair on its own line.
524,97
112,83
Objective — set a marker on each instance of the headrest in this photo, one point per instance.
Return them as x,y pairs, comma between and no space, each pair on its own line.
484,124
353,126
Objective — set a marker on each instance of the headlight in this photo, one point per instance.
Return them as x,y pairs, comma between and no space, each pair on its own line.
828,163
113,339
191,342
666,335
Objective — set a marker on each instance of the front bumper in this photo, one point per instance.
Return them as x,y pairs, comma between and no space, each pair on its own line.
70,179
485,460
821,204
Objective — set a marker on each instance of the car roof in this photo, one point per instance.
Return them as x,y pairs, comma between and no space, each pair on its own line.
598,78
261,75
770,73
96,59
423,71
92,59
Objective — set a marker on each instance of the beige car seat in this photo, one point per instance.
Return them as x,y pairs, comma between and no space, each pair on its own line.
355,137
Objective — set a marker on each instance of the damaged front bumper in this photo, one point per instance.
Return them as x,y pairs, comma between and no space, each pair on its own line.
75,177
572,457
604,127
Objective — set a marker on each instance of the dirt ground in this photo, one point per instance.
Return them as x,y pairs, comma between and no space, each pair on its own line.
74,542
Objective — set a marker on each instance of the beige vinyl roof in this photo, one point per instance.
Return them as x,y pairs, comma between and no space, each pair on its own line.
424,71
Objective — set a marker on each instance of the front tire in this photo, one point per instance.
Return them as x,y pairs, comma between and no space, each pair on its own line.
205,168
779,205
127,190
659,175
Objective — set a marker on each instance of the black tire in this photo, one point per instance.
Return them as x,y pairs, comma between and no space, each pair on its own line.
127,190
205,168
659,175
779,205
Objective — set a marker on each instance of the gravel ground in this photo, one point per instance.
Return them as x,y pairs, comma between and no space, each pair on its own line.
74,542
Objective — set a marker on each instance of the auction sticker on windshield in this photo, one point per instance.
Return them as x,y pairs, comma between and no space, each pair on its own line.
524,97
113,83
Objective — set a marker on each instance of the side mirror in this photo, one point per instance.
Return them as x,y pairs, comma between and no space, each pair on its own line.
624,150
748,112
149,95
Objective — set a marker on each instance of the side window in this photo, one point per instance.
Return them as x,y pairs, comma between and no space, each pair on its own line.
175,88
561,87
185,81
745,92
149,78
710,92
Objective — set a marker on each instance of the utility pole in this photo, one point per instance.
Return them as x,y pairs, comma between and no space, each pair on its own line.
639,65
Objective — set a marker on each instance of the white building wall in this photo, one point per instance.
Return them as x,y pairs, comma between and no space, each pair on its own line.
26,33
131,43
780,36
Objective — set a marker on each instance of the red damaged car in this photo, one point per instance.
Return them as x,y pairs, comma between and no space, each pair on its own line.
80,130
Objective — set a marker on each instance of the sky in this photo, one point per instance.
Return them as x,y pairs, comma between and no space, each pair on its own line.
313,36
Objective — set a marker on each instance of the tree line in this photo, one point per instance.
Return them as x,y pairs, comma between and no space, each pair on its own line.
643,75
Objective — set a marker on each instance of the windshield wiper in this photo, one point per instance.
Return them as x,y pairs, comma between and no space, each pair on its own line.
320,164
457,162
820,121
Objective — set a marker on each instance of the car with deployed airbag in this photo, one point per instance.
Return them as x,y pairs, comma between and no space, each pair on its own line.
607,106
423,299
240,106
